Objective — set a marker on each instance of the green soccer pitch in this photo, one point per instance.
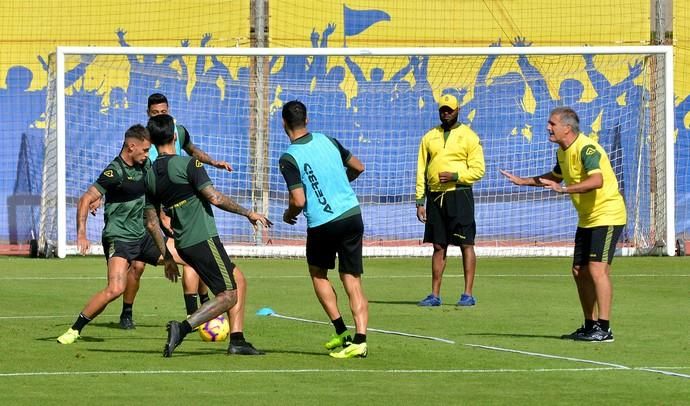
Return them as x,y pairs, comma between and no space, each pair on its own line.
506,349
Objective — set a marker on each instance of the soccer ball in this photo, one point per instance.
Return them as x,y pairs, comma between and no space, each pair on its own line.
216,329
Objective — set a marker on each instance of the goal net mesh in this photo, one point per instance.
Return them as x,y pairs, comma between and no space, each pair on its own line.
378,107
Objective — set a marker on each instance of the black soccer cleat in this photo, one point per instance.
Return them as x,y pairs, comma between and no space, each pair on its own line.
577,333
174,338
597,335
243,348
126,323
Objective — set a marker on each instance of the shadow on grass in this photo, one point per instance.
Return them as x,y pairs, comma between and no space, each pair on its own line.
178,353
116,326
181,352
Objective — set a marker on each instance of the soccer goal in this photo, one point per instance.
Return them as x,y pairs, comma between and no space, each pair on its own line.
378,103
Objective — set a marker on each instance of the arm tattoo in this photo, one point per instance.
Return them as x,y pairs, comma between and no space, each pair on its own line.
222,201
152,227
82,215
83,208
199,154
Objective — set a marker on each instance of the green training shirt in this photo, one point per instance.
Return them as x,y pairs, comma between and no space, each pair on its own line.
174,183
124,190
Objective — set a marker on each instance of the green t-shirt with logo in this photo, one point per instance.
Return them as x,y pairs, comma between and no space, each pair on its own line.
124,190
174,183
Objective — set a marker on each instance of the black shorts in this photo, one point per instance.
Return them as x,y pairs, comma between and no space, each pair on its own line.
343,237
144,250
212,263
596,244
450,217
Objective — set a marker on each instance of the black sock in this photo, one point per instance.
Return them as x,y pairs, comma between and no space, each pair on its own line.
80,323
185,328
589,324
190,303
359,338
203,298
126,310
237,337
604,324
339,325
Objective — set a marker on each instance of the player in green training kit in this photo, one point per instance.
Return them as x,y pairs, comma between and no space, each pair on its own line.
181,187
125,241
191,285
318,172
593,188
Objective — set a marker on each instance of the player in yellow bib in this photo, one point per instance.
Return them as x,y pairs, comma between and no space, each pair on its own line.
586,171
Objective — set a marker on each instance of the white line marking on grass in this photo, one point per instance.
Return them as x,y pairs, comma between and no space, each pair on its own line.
378,330
536,354
302,371
565,275
659,371
614,366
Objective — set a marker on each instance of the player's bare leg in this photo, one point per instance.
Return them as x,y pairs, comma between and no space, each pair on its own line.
601,290
238,345
469,266
599,272
236,313
117,281
177,331
136,269
438,266
358,301
586,291
218,305
324,291
360,312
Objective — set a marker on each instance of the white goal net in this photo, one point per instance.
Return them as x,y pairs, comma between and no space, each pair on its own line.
378,103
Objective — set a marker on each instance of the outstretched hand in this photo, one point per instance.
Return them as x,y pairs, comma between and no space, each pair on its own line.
256,218
205,39
521,42
516,180
222,165
330,28
550,184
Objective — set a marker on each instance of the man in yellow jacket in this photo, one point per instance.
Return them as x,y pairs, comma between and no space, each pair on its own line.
450,161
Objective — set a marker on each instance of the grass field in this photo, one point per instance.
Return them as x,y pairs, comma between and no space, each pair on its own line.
507,348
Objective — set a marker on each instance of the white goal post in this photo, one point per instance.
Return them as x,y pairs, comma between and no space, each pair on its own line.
377,102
